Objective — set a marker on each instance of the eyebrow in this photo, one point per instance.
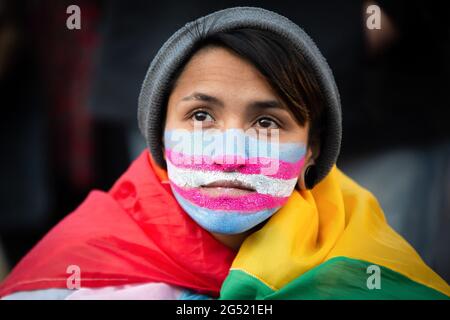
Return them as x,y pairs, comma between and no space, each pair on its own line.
262,104
204,98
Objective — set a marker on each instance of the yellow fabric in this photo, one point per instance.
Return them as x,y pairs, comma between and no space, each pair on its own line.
337,218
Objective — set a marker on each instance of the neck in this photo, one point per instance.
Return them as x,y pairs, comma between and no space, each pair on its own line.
234,241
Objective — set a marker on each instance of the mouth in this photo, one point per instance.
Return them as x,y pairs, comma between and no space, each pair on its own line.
220,188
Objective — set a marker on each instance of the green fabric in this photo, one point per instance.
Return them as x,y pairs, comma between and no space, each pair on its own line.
337,278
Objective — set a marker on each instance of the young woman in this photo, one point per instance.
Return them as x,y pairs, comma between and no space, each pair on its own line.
238,196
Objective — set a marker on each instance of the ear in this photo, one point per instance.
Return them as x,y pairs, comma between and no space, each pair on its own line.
309,161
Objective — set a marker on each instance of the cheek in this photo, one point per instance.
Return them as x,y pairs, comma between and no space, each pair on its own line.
286,161
175,123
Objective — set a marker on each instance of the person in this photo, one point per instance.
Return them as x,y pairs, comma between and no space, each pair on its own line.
238,195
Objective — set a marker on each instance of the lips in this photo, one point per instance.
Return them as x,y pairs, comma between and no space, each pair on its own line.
228,199
229,184
239,183
227,188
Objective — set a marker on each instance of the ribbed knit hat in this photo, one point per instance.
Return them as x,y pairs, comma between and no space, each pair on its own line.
154,91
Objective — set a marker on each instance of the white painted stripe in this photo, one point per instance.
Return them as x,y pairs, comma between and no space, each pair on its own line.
189,178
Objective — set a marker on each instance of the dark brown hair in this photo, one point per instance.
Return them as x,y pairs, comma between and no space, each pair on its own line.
284,68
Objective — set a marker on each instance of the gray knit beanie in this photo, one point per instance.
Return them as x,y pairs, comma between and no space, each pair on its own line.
154,91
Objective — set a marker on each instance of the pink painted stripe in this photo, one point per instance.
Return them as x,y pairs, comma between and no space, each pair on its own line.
248,203
256,165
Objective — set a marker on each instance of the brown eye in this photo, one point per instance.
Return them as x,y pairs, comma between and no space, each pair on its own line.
202,116
267,123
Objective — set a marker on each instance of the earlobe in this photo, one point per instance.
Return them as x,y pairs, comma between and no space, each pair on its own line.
310,176
307,177
309,172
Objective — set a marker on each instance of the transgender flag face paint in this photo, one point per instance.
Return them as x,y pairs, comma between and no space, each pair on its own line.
230,181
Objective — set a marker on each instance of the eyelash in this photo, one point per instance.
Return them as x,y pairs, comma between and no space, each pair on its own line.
277,123
196,111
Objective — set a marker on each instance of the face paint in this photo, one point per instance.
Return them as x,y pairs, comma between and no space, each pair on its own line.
230,181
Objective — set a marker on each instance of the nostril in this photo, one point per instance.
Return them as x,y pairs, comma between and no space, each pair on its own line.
231,167
229,163
218,159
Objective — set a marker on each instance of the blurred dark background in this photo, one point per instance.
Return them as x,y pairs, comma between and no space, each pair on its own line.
69,99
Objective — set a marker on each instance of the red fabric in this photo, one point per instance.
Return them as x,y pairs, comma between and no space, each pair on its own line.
135,233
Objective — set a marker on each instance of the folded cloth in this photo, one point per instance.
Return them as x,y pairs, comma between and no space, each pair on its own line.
330,242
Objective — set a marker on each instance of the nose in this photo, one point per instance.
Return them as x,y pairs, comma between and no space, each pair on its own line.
231,153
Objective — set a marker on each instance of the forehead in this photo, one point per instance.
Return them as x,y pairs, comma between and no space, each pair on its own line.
216,70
